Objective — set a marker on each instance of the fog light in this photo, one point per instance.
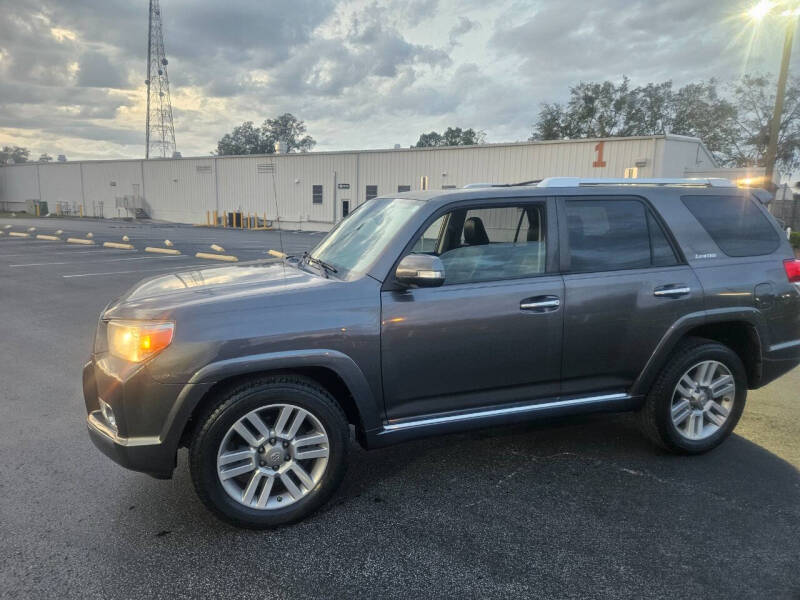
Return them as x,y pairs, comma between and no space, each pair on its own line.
108,414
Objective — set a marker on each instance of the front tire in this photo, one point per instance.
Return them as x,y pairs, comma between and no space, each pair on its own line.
269,452
697,399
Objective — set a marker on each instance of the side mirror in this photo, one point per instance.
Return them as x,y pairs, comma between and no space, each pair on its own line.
420,270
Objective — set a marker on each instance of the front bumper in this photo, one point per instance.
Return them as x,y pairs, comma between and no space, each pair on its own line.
141,441
147,455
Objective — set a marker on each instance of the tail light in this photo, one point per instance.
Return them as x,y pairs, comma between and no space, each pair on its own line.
792,267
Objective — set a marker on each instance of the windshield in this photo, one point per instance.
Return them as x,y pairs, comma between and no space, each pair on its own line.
358,240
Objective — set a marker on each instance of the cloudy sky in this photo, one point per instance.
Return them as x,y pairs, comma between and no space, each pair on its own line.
361,74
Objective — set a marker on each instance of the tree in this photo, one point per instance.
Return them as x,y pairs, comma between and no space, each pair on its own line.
287,128
249,139
453,136
15,153
734,128
755,97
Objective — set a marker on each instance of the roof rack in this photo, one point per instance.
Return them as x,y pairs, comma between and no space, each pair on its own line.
471,186
705,182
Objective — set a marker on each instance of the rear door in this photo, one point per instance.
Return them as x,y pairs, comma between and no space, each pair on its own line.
492,333
625,285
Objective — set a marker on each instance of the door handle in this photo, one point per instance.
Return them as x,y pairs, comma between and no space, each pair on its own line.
673,290
540,303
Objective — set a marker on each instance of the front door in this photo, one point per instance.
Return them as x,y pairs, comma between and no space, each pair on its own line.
492,333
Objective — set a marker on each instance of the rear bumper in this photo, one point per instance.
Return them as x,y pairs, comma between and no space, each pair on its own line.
778,360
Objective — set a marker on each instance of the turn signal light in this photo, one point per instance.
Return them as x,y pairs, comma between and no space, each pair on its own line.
138,340
792,267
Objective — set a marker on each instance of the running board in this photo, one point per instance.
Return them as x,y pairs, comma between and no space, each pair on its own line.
407,429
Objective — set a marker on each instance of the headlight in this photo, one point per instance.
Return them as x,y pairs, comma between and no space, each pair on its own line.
137,340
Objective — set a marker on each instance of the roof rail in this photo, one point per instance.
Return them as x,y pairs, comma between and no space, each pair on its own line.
602,181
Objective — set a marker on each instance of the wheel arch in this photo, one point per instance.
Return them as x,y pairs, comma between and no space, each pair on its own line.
334,371
741,329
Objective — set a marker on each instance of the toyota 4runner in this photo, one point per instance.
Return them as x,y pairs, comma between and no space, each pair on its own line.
434,312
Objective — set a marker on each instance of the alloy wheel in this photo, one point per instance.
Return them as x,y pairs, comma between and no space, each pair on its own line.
702,400
273,456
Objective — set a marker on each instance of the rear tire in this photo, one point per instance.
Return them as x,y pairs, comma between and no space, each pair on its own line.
269,452
697,399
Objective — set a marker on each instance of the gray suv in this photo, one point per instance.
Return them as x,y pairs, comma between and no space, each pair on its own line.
433,312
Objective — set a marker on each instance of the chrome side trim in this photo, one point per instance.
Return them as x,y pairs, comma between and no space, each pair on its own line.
784,345
527,408
94,421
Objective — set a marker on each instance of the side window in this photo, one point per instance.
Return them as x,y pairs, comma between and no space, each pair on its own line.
662,253
403,188
615,234
372,192
488,244
735,224
428,242
316,194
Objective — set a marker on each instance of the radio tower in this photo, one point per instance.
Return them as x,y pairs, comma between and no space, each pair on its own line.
159,133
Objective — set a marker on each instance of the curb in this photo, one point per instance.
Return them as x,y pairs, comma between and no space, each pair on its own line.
118,245
225,257
52,238
162,250
83,241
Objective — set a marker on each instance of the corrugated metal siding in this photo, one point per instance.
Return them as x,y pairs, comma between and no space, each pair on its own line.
179,190
183,190
104,181
60,185
21,184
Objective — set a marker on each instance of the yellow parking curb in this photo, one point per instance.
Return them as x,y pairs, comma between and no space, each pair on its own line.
225,257
276,254
52,238
118,245
83,241
217,248
162,250
18,234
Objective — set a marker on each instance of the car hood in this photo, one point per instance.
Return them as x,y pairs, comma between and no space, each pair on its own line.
273,283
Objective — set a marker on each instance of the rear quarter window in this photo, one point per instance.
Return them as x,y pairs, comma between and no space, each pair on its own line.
735,224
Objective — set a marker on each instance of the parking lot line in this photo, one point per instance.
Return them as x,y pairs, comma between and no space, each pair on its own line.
72,262
62,249
135,271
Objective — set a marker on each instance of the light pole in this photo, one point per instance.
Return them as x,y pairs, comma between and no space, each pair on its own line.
757,13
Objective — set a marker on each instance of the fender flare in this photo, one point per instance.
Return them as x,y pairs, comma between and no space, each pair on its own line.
202,381
660,355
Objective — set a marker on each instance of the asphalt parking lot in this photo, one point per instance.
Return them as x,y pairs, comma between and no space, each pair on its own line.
578,508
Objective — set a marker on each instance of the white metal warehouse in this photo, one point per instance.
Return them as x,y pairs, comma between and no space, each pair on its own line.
313,190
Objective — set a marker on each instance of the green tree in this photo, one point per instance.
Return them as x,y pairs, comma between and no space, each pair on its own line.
288,128
249,139
754,97
453,136
15,153
733,125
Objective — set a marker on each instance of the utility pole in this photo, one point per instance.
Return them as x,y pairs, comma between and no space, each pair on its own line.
775,122
159,130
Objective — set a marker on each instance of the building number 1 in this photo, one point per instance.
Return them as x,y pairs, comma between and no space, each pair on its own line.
599,162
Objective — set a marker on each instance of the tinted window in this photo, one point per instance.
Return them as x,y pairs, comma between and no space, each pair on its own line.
372,192
735,224
316,194
403,188
607,235
662,253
